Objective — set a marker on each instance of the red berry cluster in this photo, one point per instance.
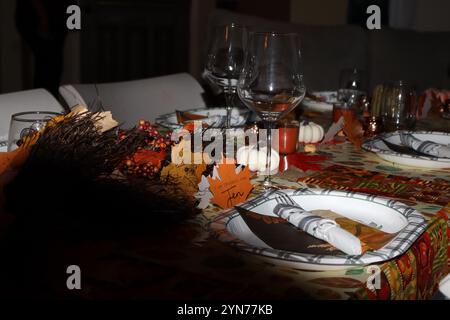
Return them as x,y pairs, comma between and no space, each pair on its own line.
145,170
154,139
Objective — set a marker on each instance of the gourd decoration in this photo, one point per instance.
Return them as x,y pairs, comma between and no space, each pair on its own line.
256,159
310,132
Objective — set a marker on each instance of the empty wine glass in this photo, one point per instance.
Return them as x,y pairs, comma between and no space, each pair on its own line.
225,61
271,83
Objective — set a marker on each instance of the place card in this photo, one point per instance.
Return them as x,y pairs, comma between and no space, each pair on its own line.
226,186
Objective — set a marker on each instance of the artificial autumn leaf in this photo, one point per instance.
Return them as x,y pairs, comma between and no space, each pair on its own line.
184,116
230,188
183,176
15,159
199,171
6,159
149,156
354,131
302,161
203,194
181,154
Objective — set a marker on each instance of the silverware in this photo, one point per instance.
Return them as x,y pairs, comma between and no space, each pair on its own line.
404,149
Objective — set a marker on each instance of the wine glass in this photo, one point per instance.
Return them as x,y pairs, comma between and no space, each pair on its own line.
352,79
271,83
225,61
352,88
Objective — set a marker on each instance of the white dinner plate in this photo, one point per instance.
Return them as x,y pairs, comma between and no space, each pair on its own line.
387,215
377,145
329,96
215,117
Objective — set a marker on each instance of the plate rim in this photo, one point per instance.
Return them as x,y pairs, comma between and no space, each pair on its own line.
219,228
159,119
368,145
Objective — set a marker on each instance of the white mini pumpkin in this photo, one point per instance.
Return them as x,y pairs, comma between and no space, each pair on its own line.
256,159
310,132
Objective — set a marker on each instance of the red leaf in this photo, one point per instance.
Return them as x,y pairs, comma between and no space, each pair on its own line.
149,156
302,161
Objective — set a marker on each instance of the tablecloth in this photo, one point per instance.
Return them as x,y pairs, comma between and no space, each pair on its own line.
189,263
228,273
414,275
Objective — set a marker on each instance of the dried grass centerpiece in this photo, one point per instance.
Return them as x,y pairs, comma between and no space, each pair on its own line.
69,180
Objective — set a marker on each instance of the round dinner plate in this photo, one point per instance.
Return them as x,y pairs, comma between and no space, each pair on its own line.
329,96
377,146
382,213
215,117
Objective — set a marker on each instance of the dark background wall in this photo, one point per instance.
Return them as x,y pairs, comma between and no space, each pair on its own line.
129,39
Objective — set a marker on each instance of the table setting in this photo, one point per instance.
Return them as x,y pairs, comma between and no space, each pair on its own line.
339,194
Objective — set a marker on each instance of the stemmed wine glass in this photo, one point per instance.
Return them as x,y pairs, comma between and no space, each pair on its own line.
225,61
271,83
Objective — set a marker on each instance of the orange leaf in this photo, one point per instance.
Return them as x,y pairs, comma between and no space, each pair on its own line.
353,130
184,116
199,171
6,159
232,188
191,126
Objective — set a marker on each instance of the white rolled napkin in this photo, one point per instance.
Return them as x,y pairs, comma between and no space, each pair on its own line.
427,147
320,228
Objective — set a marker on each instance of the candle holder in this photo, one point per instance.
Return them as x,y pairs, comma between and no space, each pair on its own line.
288,137
343,109
372,126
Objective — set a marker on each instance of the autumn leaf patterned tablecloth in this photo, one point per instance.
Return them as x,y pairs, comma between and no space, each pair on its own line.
415,274
193,264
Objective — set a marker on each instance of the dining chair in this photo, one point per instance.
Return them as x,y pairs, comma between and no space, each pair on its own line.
131,101
24,101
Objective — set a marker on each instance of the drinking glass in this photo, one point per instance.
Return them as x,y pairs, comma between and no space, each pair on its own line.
225,61
353,78
352,88
342,109
26,123
271,83
288,137
399,106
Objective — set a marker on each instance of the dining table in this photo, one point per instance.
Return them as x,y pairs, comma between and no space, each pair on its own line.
191,262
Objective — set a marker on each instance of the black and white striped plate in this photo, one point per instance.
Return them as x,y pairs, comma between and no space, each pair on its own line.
377,146
215,117
386,214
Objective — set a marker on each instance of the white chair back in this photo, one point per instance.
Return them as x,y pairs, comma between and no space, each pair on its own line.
146,99
24,101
